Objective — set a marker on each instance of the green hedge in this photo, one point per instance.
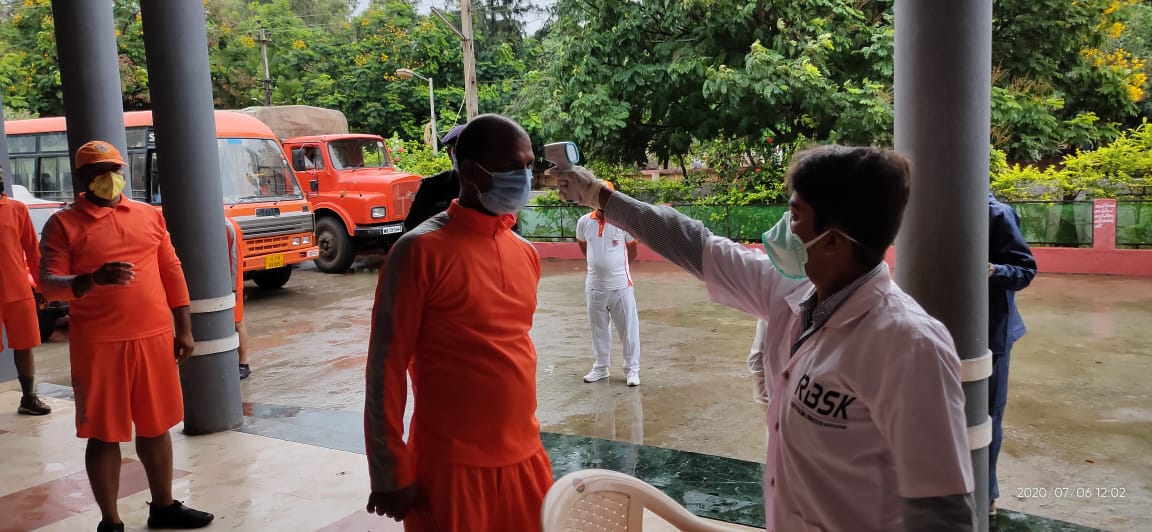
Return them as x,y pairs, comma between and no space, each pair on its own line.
1042,223
745,223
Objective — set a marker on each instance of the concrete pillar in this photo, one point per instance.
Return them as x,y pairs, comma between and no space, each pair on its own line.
943,53
7,365
176,46
89,73
1104,224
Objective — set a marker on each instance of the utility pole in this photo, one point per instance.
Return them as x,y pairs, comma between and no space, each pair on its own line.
469,59
267,74
465,35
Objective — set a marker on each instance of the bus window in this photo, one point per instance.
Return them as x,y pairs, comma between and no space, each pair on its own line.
55,179
255,170
21,143
137,137
137,174
53,142
23,168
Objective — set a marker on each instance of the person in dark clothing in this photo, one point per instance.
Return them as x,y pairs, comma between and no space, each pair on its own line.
1011,268
436,191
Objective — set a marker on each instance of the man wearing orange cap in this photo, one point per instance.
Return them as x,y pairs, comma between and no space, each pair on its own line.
608,291
19,256
112,258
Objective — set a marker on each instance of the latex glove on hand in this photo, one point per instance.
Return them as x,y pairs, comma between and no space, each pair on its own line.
579,185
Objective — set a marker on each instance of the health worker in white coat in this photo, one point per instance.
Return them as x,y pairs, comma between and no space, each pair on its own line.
866,417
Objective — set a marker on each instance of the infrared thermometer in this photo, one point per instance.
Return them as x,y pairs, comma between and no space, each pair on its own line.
562,154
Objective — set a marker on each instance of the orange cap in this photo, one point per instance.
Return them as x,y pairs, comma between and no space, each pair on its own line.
98,151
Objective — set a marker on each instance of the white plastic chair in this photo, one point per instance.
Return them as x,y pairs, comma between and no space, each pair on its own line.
607,501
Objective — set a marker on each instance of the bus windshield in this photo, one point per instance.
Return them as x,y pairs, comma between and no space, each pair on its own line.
255,170
358,153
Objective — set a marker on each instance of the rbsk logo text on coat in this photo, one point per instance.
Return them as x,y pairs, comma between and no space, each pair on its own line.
821,405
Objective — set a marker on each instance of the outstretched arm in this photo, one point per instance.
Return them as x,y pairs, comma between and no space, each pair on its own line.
736,276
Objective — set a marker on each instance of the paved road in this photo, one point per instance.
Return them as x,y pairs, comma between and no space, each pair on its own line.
1079,414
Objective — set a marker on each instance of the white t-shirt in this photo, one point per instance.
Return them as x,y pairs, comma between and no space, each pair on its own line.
607,253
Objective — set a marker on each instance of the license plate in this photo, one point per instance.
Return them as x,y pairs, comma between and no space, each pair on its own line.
392,229
274,261
313,253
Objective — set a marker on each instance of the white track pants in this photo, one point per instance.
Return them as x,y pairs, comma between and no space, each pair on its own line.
608,307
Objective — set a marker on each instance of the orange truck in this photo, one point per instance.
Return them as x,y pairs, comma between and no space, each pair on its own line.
260,191
358,196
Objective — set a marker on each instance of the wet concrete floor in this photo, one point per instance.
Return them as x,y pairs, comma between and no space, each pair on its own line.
1078,443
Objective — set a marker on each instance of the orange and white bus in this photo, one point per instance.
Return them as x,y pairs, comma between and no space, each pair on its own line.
260,190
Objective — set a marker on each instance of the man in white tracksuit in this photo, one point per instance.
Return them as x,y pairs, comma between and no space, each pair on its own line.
866,412
611,300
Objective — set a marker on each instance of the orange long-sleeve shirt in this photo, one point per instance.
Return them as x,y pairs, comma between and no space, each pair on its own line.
19,254
455,300
81,238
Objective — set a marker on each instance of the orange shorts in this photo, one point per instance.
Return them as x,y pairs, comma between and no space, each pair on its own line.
20,324
480,499
118,384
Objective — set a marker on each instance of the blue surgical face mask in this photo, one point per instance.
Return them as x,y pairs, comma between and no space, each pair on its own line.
787,251
510,191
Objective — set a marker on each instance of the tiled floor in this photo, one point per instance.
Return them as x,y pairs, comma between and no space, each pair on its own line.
250,481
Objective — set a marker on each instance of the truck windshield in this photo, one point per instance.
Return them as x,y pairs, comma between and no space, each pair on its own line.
255,170
359,153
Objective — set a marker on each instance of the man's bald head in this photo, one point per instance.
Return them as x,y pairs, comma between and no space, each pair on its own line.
489,144
485,134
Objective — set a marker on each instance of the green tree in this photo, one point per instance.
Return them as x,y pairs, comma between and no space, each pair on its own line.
633,78
1062,81
28,68
629,79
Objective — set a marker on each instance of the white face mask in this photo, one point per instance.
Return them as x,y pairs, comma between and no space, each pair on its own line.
510,191
787,251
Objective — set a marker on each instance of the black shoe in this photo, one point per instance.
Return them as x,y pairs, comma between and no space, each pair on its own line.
178,516
105,526
31,405
245,371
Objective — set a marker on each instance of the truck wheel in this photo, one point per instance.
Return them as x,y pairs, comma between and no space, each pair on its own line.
47,318
272,279
336,252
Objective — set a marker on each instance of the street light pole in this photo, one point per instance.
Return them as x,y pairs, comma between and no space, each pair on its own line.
432,118
407,73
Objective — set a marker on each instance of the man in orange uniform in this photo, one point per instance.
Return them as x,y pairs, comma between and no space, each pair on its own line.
19,256
236,257
113,259
456,300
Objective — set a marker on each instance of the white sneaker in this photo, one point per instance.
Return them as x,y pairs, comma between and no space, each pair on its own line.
633,378
596,375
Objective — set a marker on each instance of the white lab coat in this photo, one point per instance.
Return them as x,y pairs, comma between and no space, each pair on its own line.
868,412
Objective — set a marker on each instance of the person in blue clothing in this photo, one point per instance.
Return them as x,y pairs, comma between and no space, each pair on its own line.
1011,268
